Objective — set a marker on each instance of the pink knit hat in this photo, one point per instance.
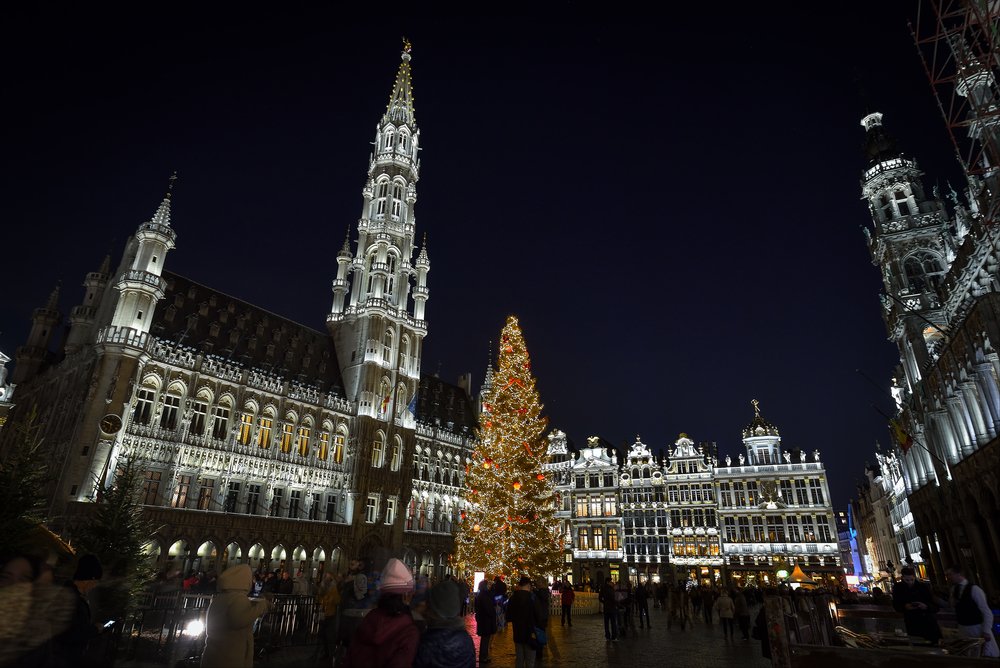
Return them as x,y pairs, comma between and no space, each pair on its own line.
396,578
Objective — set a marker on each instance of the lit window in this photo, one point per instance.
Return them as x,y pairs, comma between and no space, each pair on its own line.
181,493
246,428
584,538
286,437
390,511
378,451
143,406
205,494
598,538
397,455
612,538
371,509
151,487
338,447
264,432
302,441
324,445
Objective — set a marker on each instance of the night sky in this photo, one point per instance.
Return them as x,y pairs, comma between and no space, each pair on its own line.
670,202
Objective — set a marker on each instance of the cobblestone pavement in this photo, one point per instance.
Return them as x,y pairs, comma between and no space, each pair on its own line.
579,646
584,644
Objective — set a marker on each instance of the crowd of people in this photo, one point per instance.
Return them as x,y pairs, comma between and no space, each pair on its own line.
391,618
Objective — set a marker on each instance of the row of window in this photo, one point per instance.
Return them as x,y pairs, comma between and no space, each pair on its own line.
596,506
695,493
257,432
238,500
778,529
595,480
592,538
804,492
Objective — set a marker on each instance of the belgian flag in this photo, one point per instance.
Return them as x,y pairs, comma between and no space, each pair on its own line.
902,438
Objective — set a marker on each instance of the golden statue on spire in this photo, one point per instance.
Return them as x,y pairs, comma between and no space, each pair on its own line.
407,47
756,407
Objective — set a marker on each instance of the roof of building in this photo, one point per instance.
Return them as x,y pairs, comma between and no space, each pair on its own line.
444,405
215,323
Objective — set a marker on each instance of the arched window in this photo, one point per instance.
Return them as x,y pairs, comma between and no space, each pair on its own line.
220,421
378,450
302,438
385,396
371,271
264,424
379,203
402,142
339,441
397,201
390,280
397,454
389,138
387,346
171,407
246,423
144,400
400,400
923,270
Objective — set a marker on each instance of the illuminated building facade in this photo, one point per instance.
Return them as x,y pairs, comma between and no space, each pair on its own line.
694,542
643,494
775,510
261,440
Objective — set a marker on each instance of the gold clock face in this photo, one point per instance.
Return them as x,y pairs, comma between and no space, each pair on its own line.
110,424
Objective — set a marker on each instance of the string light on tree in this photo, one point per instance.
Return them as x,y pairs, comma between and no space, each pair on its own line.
509,526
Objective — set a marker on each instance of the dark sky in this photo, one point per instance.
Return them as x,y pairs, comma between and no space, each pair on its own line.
669,201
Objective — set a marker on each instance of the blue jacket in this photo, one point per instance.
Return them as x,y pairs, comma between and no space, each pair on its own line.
446,647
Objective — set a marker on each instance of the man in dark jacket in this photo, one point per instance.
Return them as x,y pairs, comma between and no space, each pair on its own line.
916,601
543,599
642,603
607,598
522,613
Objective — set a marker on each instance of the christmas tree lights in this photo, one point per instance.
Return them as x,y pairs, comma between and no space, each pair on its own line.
509,526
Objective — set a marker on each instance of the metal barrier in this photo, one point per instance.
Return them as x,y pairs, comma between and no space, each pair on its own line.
167,628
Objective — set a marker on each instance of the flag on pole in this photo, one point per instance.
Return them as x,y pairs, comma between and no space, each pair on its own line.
385,402
903,439
412,407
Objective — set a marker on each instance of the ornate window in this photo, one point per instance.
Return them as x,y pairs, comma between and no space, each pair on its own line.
923,270
246,428
378,450
181,493
264,424
324,445
220,426
286,437
598,538
584,538
302,441
612,538
199,409
151,487
205,494
143,406
168,418
338,445
397,455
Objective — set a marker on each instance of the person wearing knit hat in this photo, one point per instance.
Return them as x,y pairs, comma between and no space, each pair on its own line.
387,636
229,621
396,578
446,643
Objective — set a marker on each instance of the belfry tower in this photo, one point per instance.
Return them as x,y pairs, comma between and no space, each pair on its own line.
377,319
910,241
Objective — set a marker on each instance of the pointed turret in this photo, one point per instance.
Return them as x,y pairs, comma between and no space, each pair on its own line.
141,287
82,316
35,353
400,107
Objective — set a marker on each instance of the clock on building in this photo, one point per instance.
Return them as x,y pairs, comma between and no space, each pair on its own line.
110,424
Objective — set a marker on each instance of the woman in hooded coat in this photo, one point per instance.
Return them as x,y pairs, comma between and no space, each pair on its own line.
387,636
229,622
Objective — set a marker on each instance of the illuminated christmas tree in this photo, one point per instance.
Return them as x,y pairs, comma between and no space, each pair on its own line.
508,526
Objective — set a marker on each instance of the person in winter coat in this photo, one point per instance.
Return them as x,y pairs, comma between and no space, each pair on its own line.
523,616
725,607
387,636
742,613
328,598
486,620
543,599
445,643
229,621
567,595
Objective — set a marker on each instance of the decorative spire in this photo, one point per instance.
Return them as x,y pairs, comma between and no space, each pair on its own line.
488,380
400,107
105,267
53,303
759,426
162,215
